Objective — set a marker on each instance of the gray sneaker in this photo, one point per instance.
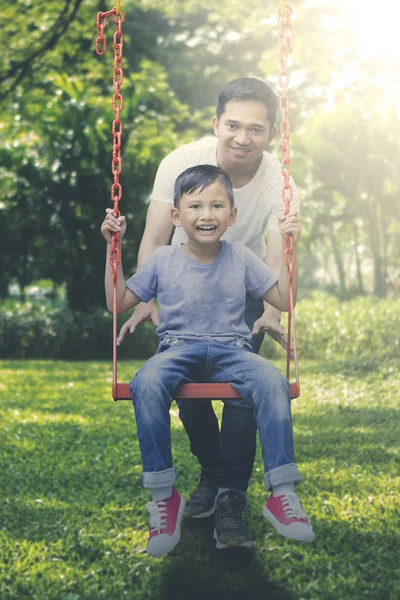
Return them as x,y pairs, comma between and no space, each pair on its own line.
202,502
230,530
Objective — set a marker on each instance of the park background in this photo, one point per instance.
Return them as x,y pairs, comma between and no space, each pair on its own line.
73,522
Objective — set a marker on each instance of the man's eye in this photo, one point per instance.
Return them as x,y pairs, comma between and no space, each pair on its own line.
257,130
232,126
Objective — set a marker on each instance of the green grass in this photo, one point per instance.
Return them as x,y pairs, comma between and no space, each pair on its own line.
73,523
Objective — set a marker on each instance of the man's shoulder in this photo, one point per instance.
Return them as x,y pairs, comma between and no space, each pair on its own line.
271,165
191,152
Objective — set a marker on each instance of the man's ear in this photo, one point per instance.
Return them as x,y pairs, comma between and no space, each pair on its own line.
175,216
271,134
215,124
232,217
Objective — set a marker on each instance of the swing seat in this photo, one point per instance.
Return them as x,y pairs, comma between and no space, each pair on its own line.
203,391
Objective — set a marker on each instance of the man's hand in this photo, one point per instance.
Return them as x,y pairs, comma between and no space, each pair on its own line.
112,224
144,312
270,321
290,224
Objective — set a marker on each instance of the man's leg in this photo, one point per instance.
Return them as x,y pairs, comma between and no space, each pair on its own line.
265,391
237,453
221,454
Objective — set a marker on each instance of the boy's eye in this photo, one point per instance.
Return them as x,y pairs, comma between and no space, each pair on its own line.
217,205
195,206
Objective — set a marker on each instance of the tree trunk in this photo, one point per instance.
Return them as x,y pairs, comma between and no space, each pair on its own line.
360,281
338,258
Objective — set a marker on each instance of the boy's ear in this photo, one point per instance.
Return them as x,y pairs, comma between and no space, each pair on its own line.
175,216
232,217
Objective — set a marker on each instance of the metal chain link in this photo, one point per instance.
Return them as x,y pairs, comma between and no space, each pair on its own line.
285,47
117,104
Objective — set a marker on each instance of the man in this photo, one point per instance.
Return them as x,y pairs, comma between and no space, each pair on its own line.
243,126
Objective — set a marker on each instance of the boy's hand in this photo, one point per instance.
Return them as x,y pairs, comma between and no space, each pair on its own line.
112,224
290,224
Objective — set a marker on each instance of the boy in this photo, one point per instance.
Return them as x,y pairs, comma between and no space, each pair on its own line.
244,126
201,289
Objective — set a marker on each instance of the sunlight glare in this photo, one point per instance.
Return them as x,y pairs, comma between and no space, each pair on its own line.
376,28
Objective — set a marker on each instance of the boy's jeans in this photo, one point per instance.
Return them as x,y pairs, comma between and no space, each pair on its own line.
264,392
221,451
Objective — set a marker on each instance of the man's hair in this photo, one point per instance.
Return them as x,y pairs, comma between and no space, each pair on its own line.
248,88
201,177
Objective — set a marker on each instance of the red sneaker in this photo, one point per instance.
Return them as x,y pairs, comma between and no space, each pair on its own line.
165,524
288,517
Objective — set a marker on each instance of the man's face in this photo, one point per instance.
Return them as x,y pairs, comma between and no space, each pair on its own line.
243,132
205,214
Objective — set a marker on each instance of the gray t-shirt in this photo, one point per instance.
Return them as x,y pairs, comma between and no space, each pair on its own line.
202,300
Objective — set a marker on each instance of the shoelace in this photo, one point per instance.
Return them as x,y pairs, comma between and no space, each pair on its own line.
292,507
158,515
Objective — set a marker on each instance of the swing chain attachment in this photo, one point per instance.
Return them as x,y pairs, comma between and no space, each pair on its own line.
285,47
117,104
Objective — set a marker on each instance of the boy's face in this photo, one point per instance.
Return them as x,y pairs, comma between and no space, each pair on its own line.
243,132
205,214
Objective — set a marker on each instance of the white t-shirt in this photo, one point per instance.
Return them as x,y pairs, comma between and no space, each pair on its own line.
259,202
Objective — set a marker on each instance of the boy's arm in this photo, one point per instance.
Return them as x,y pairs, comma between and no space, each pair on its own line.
125,298
157,233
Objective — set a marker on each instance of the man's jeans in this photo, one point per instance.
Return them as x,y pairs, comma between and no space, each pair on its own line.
264,394
230,453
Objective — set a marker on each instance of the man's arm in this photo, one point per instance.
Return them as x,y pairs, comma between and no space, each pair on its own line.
270,320
157,231
278,296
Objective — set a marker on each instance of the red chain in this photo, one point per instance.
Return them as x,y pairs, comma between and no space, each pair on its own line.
117,104
285,47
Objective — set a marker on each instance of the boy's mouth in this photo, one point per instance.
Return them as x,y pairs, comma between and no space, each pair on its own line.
206,228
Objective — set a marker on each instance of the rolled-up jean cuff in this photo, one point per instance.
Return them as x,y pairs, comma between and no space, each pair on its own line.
159,478
285,474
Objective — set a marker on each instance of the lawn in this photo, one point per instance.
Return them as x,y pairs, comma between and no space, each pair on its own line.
73,520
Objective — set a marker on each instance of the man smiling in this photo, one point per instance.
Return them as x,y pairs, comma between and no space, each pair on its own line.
243,127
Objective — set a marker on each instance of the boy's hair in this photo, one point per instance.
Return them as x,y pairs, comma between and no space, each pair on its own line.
248,88
201,177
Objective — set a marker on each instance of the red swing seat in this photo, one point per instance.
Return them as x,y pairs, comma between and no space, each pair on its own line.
203,391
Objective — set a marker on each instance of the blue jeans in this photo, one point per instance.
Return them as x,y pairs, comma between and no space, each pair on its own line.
231,452
264,394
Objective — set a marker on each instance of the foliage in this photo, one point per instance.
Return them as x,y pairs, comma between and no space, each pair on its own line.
73,516
363,327
33,330
55,138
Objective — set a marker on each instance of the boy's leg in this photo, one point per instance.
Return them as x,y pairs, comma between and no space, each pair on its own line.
220,453
153,389
265,391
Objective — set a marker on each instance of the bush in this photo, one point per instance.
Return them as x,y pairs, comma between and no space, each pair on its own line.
32,330
355,329
360,328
